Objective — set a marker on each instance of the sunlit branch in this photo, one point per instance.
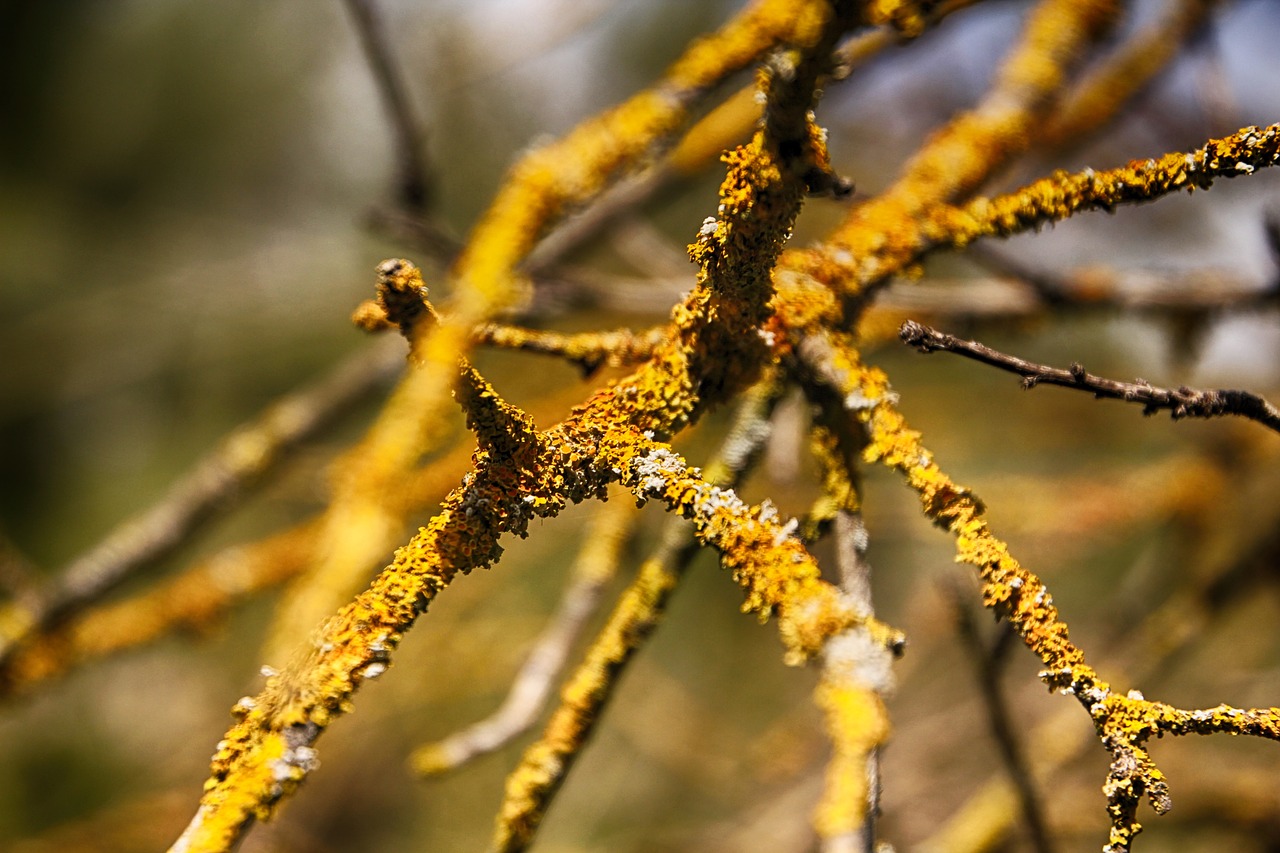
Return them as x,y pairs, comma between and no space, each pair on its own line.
532,786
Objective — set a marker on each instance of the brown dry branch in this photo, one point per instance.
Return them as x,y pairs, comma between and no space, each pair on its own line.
1182,402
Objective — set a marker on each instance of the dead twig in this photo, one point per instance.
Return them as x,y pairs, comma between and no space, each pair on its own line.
1182,402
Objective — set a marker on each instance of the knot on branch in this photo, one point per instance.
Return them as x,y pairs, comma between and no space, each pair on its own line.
401,300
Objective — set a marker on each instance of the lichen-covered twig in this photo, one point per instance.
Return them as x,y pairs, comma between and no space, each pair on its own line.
1062,195
877,238
1182,402
533,784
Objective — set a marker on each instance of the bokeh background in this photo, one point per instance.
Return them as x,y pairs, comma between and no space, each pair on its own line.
185,192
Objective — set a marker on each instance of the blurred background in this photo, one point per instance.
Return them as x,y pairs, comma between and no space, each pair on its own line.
185,226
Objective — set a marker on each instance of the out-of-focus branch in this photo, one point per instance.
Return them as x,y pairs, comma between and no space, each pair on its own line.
1098,97
207,590
413,184
596,565
212,486
1182,402
1172,292
988,661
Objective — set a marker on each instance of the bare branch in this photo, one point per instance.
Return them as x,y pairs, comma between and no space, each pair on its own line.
1182,402
413,180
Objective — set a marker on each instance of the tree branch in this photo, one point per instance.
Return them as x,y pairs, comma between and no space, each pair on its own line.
1182,402
413,180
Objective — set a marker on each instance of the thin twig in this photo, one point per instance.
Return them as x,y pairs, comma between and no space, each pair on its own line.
989,661
413,181
1182,402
